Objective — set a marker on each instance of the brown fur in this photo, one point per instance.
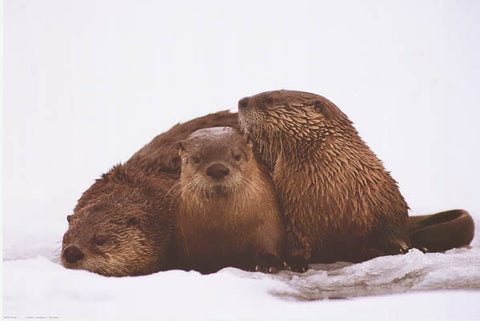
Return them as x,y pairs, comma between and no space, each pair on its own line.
122,225
338,200
227,217
441,231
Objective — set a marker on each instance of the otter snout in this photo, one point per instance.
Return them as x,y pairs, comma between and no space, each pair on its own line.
72,254
217,171
242,104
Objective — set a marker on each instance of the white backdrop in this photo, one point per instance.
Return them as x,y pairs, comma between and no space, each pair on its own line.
87,83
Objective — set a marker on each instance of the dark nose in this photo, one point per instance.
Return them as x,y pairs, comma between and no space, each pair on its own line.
242,104
72,254
217,171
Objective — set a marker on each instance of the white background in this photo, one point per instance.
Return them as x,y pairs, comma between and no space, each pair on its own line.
87,83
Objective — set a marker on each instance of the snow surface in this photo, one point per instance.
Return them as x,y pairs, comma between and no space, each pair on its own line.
40,287
87,83
51,291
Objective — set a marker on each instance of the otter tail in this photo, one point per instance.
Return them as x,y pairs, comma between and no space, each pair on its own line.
441,231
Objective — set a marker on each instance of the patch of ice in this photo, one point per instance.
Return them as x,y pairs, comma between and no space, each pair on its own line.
414,271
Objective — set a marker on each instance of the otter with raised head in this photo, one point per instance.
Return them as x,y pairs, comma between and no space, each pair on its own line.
123,224
227,212
338,200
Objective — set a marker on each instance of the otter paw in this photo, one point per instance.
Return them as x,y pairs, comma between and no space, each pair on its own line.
404,250
299,265
269,264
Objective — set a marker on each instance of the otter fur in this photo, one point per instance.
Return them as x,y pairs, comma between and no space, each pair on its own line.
123,224
338,200
227,211
441,231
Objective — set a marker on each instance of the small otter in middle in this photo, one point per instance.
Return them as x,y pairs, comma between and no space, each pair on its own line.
227,208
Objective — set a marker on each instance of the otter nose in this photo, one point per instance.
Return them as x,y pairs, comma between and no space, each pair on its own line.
217,171
72,254
242,104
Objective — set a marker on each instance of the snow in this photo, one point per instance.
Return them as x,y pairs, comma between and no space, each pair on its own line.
87,83
40,287
36,285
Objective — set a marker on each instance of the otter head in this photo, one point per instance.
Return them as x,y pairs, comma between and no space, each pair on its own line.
117,228
284,118
215,162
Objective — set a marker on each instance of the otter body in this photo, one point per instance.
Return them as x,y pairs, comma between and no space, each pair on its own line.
227,210
123,224
338,200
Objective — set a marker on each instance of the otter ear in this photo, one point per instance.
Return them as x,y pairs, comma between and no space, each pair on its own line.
180,146
318,106
242,103
325,108
70,219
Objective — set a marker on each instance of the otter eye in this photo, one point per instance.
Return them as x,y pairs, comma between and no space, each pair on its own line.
195,159
238,157
100,240
132,222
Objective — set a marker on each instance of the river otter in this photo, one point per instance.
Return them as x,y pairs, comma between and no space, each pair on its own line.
227,209
122,225
338,200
